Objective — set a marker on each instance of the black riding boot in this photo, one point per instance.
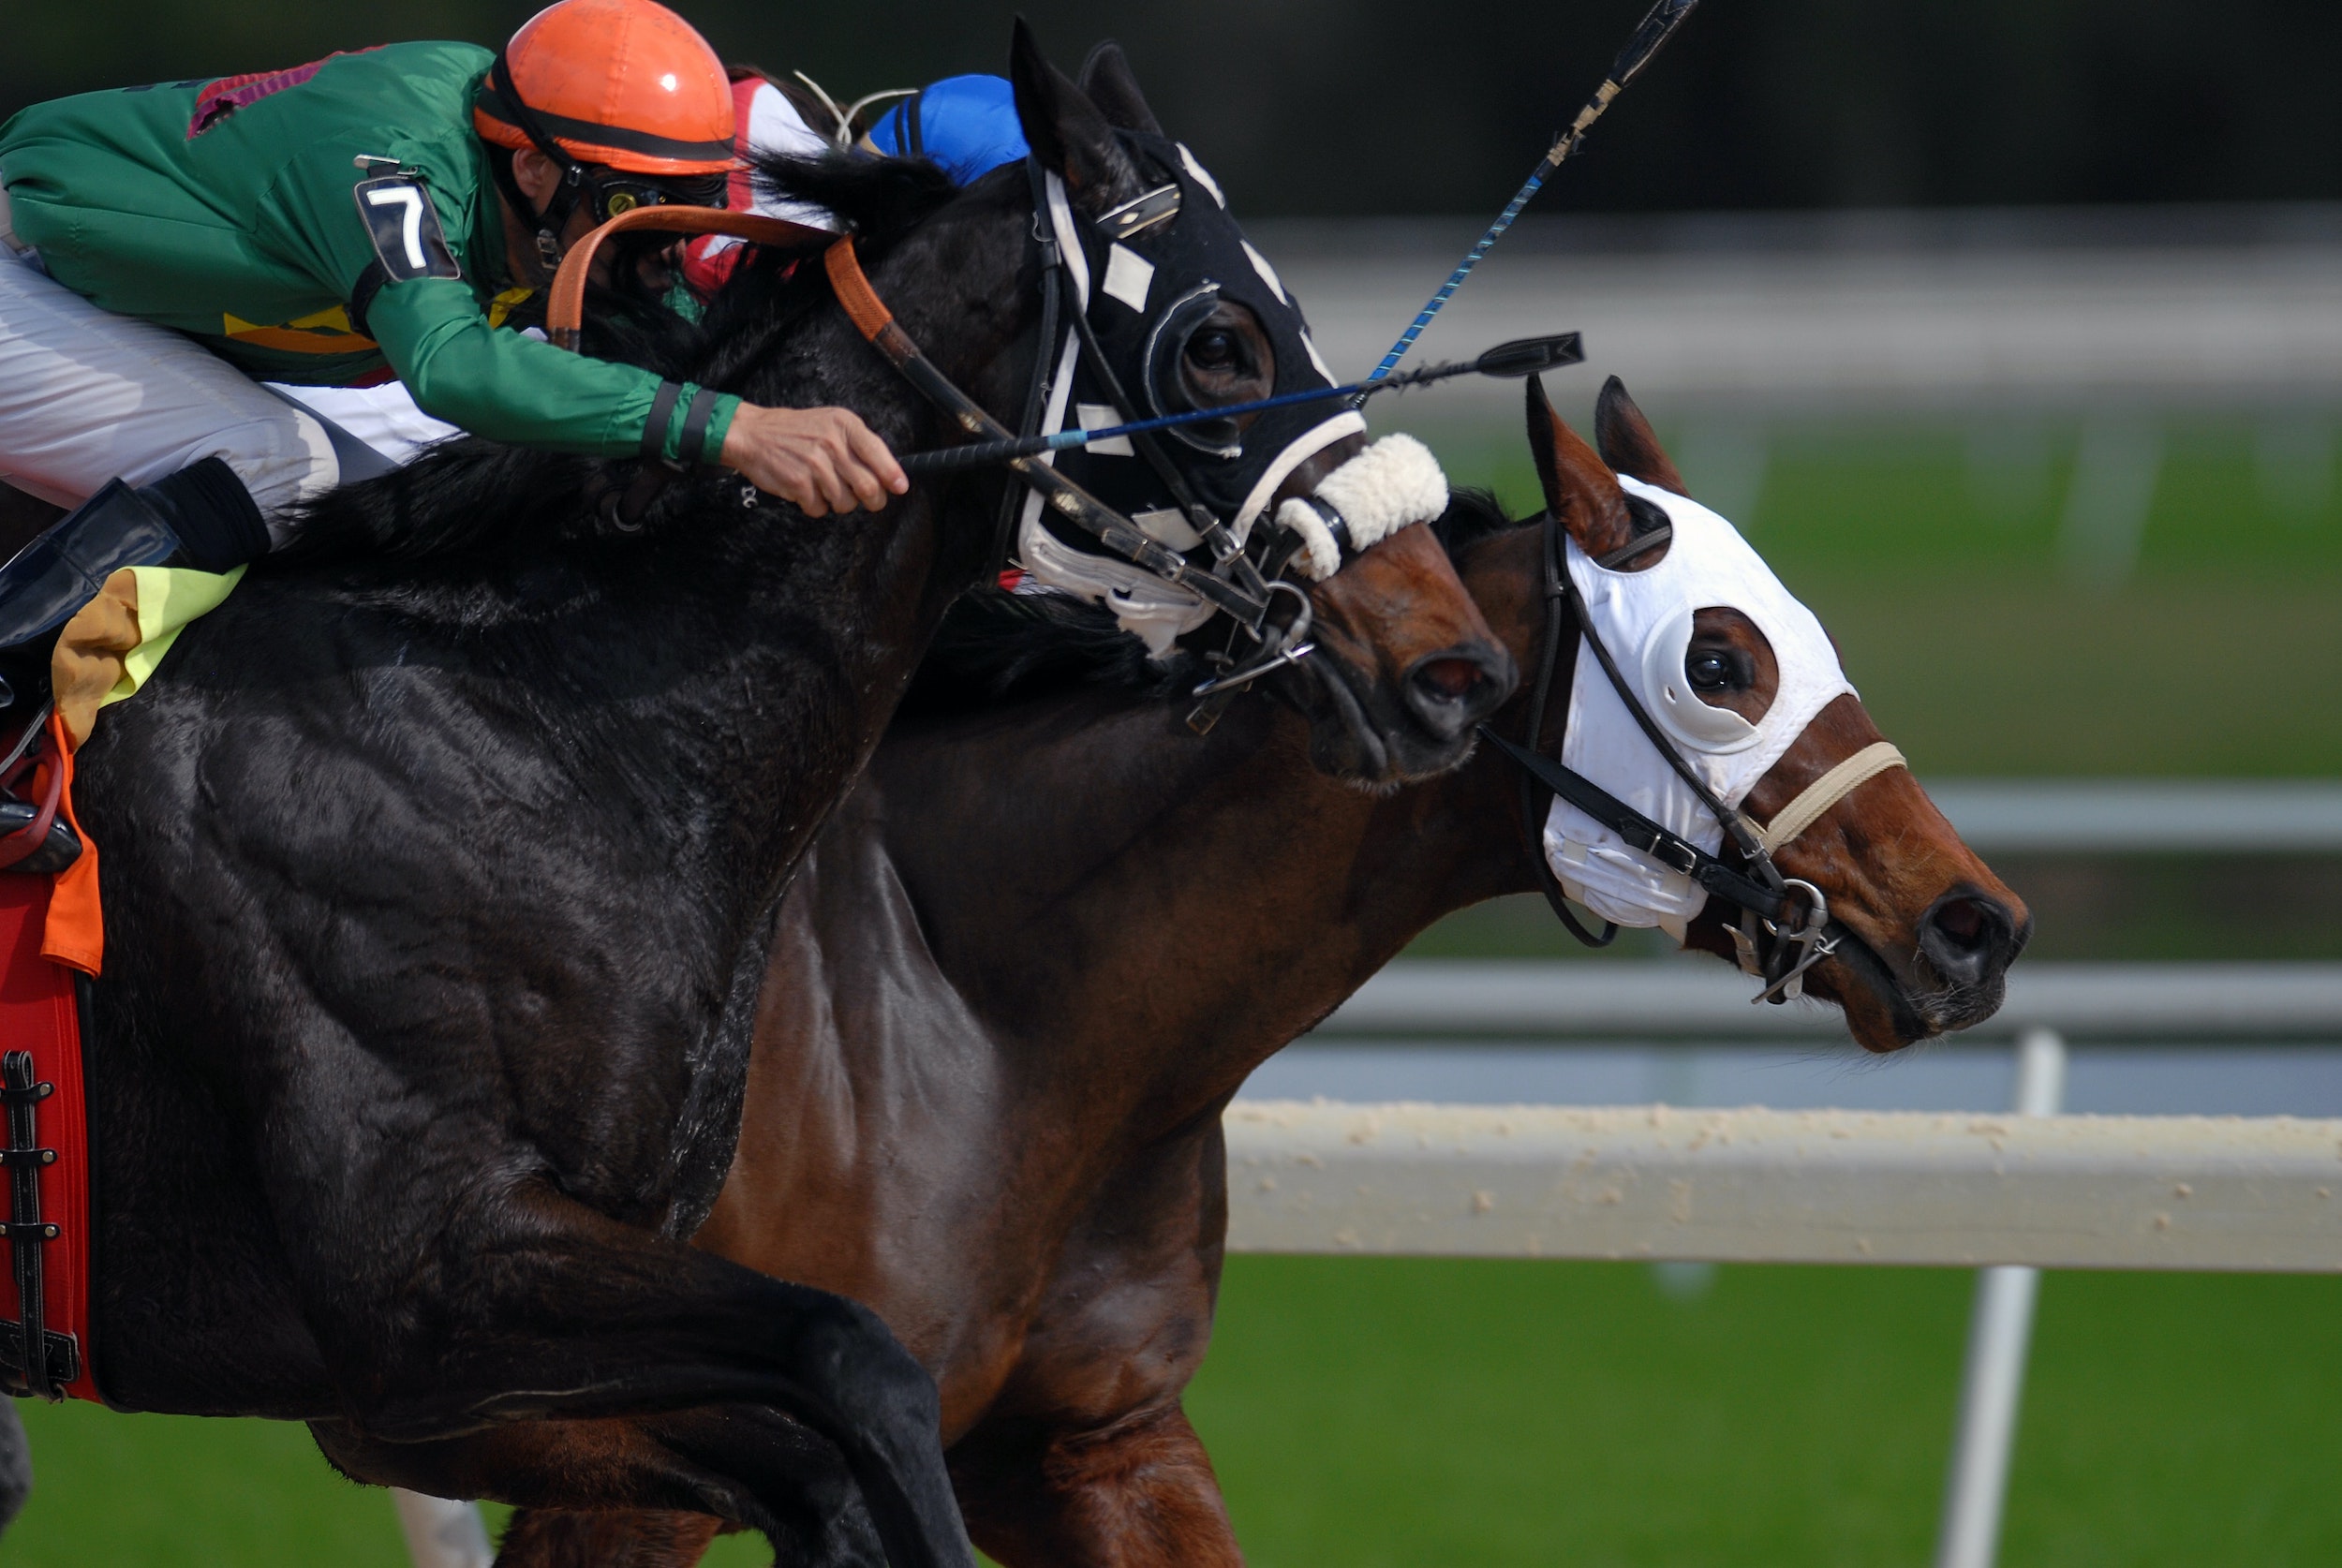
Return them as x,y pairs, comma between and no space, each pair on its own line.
201,516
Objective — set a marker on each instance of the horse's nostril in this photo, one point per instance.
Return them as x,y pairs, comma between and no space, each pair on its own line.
1969,938
1454,689
1962,922
1451,678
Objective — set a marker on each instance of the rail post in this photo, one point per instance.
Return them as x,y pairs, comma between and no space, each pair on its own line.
442,1534
1991,1386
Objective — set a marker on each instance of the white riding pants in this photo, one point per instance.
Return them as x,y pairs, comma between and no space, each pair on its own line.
87,396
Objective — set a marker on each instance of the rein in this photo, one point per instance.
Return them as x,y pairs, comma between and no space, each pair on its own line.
565,306
1773,942
1248,603
1117,533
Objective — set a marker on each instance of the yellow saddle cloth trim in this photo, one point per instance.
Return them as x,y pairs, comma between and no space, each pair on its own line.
113,646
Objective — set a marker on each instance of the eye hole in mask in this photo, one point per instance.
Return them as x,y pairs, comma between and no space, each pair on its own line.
1200,354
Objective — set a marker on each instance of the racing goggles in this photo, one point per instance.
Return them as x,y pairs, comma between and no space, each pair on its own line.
612,192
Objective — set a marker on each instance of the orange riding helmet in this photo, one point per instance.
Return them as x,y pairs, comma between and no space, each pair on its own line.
625,84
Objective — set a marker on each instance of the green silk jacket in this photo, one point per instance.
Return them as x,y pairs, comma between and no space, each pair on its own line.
233,211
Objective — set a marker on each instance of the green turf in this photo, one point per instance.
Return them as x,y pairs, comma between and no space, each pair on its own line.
1379,1411
1366,1412
146,1491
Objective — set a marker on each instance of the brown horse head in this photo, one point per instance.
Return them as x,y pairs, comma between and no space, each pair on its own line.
1402,665
1925,930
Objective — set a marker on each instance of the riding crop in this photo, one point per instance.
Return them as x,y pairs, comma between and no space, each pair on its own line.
1657,26
1526,356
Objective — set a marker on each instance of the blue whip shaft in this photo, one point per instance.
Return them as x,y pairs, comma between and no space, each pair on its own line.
1552,160
1456,279
1653,31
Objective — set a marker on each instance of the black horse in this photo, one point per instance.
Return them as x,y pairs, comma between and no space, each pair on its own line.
442,874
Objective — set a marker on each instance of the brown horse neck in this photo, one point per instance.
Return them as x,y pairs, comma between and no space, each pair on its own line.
1143,916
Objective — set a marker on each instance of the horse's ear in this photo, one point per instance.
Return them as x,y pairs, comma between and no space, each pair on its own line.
1107,78
1066,131
1580,488
1627,442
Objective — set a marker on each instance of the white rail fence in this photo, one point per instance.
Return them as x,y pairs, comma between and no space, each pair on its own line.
1532,999
1806,1187
2009,1193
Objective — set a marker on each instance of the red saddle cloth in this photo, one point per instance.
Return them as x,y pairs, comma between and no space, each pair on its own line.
40,1015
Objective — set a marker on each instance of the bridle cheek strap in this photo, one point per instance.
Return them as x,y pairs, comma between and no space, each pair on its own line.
1813,802
1116,532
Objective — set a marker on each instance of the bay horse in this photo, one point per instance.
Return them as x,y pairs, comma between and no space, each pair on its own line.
1003,1017
442,869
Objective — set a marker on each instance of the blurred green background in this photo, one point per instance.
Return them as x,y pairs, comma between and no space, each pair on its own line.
1369,1411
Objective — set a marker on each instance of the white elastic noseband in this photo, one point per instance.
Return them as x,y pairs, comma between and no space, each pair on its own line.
1392,484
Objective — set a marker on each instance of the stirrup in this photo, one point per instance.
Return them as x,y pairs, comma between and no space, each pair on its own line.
34,836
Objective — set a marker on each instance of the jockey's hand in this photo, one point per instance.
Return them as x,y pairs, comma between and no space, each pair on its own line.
822,460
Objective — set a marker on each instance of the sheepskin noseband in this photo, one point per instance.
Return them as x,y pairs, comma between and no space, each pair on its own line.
1392,484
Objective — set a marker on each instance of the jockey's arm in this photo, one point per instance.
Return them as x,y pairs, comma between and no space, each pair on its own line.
510,387
435,333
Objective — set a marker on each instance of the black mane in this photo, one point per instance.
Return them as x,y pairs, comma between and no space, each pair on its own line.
1473,515
880,198
997,648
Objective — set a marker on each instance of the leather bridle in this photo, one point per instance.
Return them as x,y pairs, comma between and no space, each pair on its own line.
1784,928
1234,583
1116,532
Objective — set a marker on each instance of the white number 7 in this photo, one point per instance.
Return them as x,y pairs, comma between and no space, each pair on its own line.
411,225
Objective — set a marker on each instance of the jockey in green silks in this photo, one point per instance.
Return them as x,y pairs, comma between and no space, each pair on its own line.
368,217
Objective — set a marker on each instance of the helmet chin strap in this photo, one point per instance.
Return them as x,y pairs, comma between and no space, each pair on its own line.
554,217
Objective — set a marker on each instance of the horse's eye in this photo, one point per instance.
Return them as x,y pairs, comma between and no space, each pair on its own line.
1214,349
1712,669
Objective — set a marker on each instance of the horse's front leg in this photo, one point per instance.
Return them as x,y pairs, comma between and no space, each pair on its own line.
651,1474
550,1538
1085,1458
535,1307
1138,1494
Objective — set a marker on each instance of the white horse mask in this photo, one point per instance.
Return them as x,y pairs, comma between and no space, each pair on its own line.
1644,618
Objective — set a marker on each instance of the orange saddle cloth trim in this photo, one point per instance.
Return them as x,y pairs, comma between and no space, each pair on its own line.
73,932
